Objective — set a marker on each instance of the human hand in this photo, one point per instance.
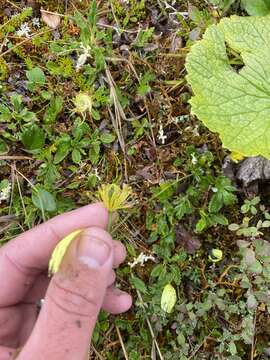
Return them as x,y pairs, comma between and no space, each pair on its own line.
73,296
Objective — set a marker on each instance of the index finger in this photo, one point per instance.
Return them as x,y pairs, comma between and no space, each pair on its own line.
23,258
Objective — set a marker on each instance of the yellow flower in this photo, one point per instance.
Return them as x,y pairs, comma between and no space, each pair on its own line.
113,197
215,255
168,298
83,102
59,252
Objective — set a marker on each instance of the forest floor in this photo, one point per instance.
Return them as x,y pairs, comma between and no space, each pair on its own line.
91,95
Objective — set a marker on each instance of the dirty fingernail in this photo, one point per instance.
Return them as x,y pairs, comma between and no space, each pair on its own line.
93,251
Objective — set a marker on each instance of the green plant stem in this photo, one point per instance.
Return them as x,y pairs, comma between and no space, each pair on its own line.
110,222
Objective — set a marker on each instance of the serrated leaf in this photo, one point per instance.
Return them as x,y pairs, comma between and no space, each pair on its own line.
234,103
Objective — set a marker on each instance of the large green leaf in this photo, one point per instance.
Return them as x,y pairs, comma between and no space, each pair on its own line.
234,103
257,7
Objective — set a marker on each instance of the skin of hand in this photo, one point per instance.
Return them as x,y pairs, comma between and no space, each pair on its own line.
73,296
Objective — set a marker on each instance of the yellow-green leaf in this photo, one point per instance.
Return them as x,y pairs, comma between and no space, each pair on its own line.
216,255
230,77
168,298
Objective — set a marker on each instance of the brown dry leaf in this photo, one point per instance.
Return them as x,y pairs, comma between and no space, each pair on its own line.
189,242
50,19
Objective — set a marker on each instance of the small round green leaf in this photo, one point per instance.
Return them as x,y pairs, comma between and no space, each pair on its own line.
43,200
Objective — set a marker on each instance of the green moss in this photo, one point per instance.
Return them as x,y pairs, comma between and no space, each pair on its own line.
52,5
14,22
63,66
40,40
4,71
132,12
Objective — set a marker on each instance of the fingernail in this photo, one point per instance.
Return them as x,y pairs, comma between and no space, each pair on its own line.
93,251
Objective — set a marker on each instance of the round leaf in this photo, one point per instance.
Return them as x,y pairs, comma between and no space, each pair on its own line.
43,200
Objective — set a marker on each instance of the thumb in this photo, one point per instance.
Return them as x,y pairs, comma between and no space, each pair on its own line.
73,300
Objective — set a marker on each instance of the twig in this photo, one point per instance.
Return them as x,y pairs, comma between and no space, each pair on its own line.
121,342
52,13
225,272
20,191
96,353
14,157
24,41
11,3
199,346
150,326
253,338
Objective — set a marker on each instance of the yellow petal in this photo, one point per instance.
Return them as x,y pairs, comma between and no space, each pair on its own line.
113,197
216,255
236,156
60,250
168,298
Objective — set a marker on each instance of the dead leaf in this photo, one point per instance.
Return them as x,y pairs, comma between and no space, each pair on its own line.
189,242
50,19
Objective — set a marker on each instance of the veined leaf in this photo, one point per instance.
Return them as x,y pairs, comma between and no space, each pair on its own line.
234,103
168,298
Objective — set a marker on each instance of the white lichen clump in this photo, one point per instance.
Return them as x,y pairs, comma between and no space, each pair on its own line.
24,31
5,193
141,260
36,22
161,135
83,57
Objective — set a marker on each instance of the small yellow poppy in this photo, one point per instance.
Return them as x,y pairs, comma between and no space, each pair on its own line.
113,197
83,102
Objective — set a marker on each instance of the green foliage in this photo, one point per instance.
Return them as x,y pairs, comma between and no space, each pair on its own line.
222,95
14,22
33,137
130,12
3,69
183,202
257,8
256,219
43,200
143,37
36,78
144,86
